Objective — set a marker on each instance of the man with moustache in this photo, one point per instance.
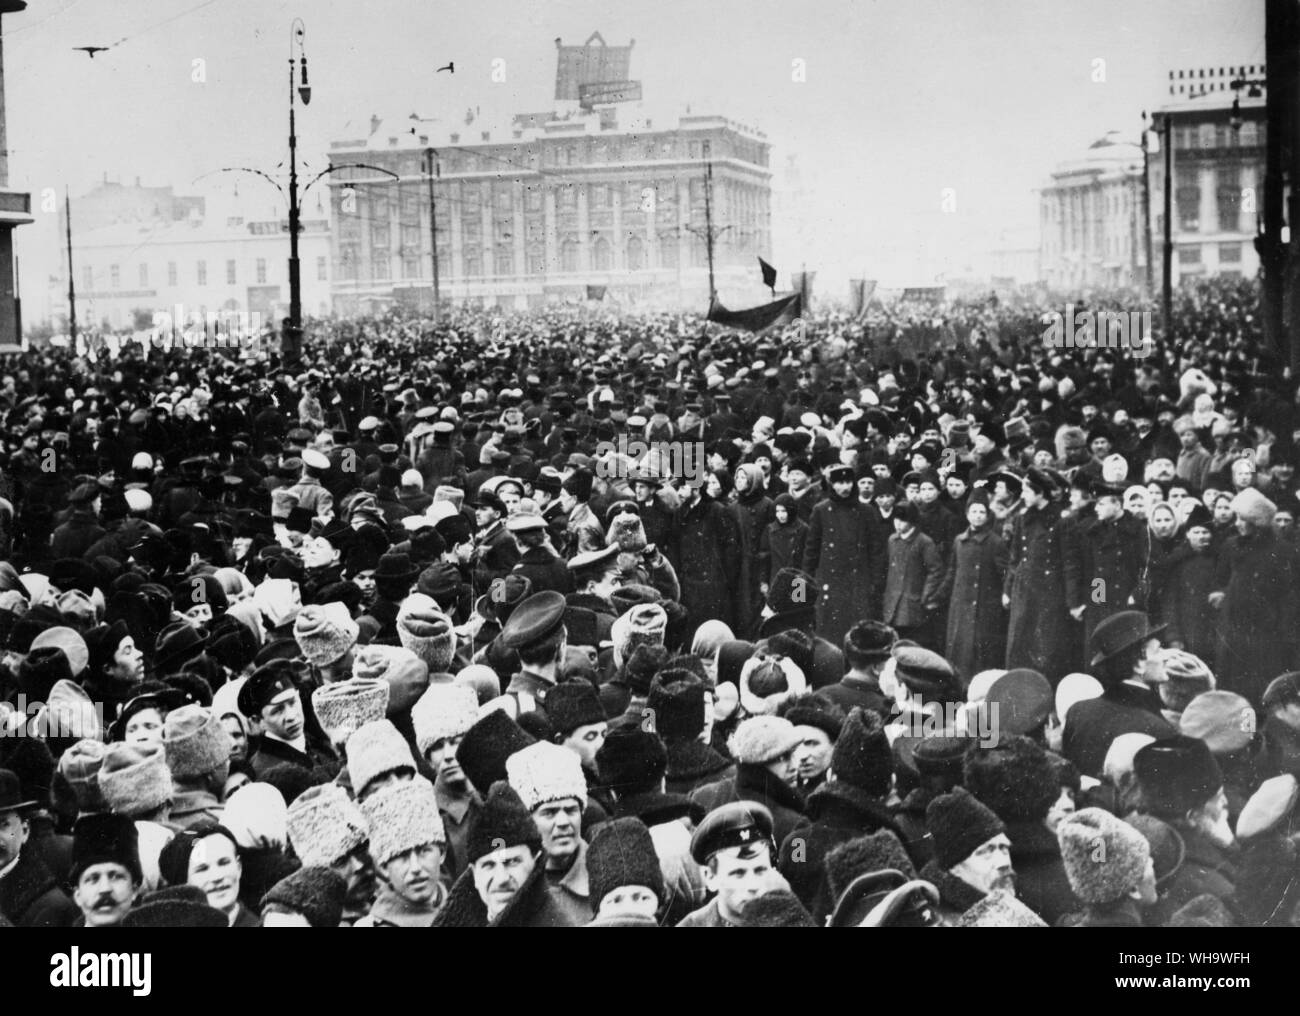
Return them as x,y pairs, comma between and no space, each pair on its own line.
106,875
441,717
972,852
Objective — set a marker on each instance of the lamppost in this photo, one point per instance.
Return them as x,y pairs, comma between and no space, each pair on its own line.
291,336
434,168
1162,126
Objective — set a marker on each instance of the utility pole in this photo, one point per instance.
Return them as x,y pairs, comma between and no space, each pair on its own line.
433,233
72,291
708,232
1167,282
1146,206
1278,77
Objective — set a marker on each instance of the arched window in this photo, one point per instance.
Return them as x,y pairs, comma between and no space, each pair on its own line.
569,255
635,254
602,254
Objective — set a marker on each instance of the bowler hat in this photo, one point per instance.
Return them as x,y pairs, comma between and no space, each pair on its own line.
1119,632
11,793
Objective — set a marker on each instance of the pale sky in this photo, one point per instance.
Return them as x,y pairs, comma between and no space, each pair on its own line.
902,99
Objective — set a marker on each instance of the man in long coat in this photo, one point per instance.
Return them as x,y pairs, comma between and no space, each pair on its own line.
709,546
977,621
1039,633
837,554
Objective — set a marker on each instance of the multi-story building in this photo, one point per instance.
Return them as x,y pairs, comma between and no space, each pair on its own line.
1091,213
127,272
557,202
1218,173
1091,218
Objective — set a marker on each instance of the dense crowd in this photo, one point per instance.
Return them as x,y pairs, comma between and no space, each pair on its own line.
567,619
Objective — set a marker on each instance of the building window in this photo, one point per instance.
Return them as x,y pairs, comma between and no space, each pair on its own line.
144,276
473,263
410,266
1249,134
171,273
1189,255
635,254
1187,196
379,268
533,197
571,155
1228,199
115,276
568,197
602,253
379,234
504,197
348,259
230,273
379,207
569,256
600,196
537,260
1209,136
503,262
322,269
261,271
1229,253
411,236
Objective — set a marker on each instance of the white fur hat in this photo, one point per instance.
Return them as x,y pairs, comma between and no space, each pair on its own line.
374,749
402,816
324,825
443,711
545,772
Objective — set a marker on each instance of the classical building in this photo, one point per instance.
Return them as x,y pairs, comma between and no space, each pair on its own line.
541,211
593,192
127,272
1091,219
1091,212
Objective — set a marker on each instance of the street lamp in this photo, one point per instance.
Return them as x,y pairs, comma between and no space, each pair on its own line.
1165,130
435,168
291,336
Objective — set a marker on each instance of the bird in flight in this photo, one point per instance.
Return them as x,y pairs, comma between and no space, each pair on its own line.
91,50
450,67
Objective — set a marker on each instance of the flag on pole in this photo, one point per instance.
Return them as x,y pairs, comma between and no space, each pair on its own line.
595,292
769,274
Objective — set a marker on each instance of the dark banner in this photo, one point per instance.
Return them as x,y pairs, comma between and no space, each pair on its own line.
757,319
595,292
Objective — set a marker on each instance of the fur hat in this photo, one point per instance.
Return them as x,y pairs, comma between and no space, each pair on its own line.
425,630
861,756
1203,911
315,892
959,825
195,741
1000,910
1254,507
632,760
573,704
813,710
871,640
1176,774
402,816
1105,858
80,765
134,778
761,739
180,906
640,667
41,670
627,532
324,825
622,854
105,839
1013,777
345,706
503,821
768,681
676,703
876,851
541,773
324,632
644,624
445,711
486,746
375,749
777,908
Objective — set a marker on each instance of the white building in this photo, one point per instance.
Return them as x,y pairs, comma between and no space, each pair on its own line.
126,273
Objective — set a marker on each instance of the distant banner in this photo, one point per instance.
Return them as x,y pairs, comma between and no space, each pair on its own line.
860,292
757,319
928,294
595,292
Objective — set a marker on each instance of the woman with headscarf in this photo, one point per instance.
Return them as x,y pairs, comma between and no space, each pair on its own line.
1162,541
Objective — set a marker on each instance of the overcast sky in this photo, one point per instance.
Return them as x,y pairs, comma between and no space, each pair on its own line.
902,98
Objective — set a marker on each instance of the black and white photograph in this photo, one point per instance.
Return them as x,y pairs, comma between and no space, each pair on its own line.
655,464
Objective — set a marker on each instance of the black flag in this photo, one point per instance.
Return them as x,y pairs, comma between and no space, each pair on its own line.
595,292
769,274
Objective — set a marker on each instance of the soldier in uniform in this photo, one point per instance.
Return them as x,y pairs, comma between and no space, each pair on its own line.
734,847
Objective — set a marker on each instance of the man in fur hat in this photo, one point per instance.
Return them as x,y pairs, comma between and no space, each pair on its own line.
106,876
442,717
972,854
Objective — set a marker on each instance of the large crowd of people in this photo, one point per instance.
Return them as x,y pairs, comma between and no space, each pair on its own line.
561,619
